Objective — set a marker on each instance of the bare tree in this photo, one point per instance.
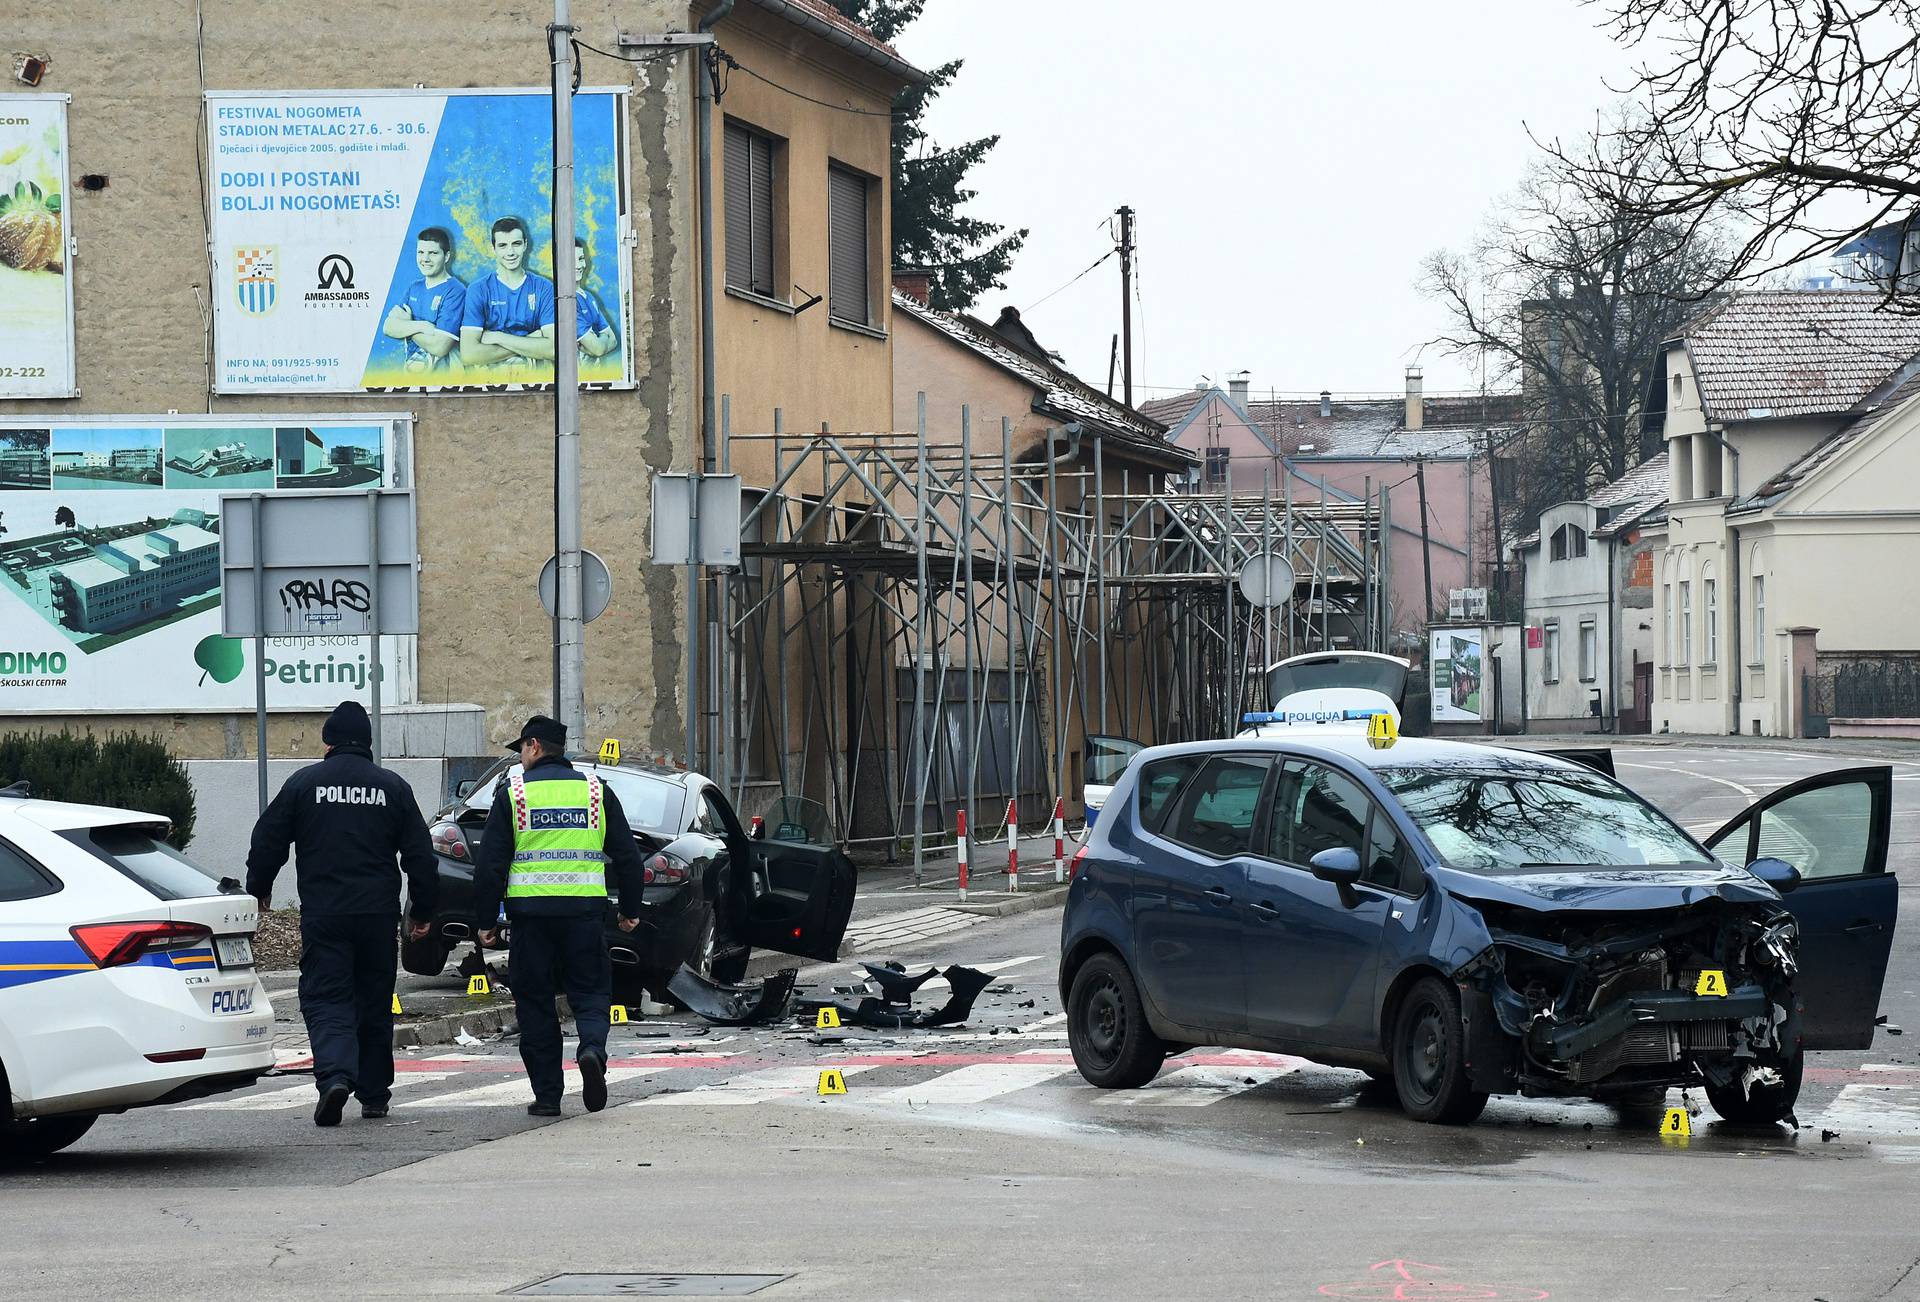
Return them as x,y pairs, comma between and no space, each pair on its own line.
1797,121
1567,294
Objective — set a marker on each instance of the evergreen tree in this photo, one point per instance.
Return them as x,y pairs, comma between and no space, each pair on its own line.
966,255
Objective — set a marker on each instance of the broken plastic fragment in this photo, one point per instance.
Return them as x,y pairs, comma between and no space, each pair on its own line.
734,1005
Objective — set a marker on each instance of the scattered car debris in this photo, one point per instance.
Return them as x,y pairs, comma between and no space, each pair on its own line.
464,1037
1828,1136
964,985
735,1005
896,987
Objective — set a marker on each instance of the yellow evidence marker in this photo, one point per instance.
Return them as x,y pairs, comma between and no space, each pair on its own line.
617,1014
610,751
1381,731
1676,1124
479,985
1712,982
396,1005
832,1082
828,1020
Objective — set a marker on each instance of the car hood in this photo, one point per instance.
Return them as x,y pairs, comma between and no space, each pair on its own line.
1615,890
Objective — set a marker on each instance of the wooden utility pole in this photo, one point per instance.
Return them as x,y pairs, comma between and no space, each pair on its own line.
1126,303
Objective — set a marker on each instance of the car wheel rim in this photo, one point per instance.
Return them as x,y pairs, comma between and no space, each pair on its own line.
1425,1056
1103,1021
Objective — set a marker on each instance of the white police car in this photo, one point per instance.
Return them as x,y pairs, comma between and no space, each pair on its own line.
126,975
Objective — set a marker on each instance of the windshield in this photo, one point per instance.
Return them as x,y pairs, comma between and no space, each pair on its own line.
1495,822
1386,676
651,804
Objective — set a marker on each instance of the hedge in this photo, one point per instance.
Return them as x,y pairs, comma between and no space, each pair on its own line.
125,771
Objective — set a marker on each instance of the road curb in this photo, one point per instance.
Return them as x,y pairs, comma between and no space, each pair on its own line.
479,1023
1024,902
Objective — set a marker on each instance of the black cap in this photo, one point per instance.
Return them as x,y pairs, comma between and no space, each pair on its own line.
541,728
348,725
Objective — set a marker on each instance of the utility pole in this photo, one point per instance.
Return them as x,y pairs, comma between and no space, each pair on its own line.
1426,548
1126,303
569,628
1499,539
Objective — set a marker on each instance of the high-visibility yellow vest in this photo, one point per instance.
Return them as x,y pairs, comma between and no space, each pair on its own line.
559,838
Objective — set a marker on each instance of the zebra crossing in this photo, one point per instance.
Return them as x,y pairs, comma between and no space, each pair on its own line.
1876,1105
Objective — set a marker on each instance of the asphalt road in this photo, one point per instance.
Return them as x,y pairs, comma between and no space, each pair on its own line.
974,1162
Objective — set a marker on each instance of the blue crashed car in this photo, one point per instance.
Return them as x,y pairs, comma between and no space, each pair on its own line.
1467,921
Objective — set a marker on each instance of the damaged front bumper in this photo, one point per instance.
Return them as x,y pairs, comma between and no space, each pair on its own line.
1577,1004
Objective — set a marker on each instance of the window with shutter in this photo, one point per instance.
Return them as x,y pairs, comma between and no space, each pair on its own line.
847,257
749,216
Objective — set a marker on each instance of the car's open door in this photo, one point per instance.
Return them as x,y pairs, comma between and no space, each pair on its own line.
797,894
1834,829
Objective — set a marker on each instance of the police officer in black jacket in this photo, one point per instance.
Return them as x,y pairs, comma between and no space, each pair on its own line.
348,819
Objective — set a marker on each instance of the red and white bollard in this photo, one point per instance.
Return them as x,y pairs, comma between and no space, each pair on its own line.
1059,840
960,844
1013,844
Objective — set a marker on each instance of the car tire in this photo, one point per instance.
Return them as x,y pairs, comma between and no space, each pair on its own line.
38,1137
1763,1105
1107,1029
1430,1059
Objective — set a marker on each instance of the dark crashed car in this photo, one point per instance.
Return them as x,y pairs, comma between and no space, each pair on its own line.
1468,921
713,893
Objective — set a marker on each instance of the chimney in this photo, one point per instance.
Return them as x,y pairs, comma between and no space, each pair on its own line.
1237,385
1326,404
1416,405
916,283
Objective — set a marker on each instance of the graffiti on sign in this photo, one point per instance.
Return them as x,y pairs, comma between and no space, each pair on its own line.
319,601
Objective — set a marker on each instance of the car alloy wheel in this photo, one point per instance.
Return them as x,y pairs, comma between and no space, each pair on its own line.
1107,1029
1429,1056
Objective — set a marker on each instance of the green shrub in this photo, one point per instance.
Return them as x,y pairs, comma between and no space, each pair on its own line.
126,771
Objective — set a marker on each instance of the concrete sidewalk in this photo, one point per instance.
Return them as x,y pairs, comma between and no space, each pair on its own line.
1895,749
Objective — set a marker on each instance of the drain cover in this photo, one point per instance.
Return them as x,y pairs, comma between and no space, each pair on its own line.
648,1286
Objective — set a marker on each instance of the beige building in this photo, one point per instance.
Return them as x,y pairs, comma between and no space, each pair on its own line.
801,141
1789,420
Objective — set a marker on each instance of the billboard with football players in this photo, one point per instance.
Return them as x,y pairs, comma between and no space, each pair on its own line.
378,241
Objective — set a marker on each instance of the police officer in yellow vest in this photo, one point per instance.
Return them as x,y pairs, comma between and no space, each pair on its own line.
552,836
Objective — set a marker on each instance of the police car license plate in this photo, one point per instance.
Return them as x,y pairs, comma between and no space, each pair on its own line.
234,951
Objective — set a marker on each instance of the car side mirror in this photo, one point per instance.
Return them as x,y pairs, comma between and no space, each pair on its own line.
1340,865
1777,873
464,789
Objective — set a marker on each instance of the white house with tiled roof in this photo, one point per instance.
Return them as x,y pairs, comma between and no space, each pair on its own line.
1588,584
1792,424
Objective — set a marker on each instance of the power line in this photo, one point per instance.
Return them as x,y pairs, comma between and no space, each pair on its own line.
768,81
1076,280
652,57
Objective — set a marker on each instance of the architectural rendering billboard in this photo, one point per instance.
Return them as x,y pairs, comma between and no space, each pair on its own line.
379,241
110,559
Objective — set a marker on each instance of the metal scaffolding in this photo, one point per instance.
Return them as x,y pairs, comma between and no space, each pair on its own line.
924,624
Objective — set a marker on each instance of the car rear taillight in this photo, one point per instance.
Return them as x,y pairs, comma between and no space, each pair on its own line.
448,840
115,944
1073,867
665,870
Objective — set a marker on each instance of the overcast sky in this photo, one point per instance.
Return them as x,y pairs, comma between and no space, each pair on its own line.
1291,165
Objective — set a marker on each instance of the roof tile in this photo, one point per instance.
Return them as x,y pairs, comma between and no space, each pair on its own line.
1782,353
1062,391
